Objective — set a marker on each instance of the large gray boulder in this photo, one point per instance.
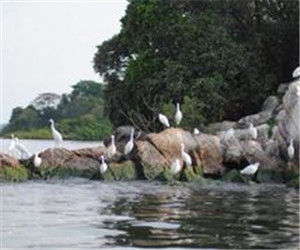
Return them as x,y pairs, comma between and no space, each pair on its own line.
82,162
256,119
262,133
220,126
288,121
161,149
270,104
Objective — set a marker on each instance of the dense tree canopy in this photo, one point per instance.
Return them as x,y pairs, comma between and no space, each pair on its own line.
218,58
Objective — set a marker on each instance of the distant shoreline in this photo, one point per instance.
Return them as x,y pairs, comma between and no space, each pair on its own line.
42,134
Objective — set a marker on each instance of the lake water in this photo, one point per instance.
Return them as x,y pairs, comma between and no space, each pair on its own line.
78,213
35,146
83,214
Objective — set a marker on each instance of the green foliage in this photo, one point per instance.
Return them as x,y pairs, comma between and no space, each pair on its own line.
23,118
39,133
87,88
217,58
13,174
85,127
272,122
79,115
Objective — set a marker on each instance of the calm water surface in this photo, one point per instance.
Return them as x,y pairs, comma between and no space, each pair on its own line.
82,214
35,146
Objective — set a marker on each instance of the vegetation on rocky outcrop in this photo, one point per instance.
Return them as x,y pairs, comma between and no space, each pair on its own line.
219,58
213,156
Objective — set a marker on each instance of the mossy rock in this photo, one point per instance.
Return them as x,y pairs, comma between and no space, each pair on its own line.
13,174
233,176
294,183
189,175
118,172
270,176
62,172
153,172
167,176
291,175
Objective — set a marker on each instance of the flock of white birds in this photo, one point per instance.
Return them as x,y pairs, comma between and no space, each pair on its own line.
175,166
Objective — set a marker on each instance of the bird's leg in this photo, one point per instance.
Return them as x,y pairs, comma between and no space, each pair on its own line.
244,178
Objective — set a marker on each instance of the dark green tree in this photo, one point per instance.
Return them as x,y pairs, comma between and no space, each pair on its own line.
222,55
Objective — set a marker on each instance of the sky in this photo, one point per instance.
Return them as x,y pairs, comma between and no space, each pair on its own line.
49,46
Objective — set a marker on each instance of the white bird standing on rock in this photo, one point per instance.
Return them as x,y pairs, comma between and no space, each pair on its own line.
56,135
37,161
112,148
129,145
164,120
196,131
185,156
103,166
252,131
22,148
250,169
296,72
291,150
176,166
178,114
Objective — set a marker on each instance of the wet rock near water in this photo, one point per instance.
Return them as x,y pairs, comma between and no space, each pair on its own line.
11,169
8,161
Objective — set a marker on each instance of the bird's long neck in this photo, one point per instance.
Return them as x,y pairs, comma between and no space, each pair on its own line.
291,142
102,160
131,135
52,126
178,107
112,141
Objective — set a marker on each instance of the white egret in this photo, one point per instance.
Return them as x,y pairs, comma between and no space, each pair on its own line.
112,148
185,156
296,72
229,135
22,148
103,166
12,145
56,135
250,169
129,145
175,166
178,114
196,131
252,131
291,150
37,161
164,120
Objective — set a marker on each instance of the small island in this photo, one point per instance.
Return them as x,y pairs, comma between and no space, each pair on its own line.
158,123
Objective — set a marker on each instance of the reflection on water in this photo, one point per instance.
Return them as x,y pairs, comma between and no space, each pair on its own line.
91,214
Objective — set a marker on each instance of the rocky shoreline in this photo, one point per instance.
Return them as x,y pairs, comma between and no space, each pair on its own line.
213,156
